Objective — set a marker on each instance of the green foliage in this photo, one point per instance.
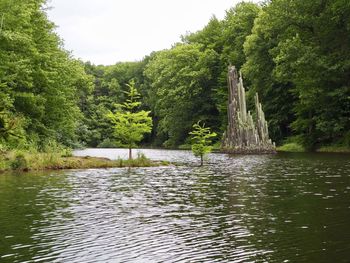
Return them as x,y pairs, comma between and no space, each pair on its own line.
11,129
297,57
130,125
291,147
31,156
19,162
210,37
276,95
51,146
39,81
185,147
182,90
295,54
29,161
179,85
140,161
237,25
334,149
201,140
108,143
110,84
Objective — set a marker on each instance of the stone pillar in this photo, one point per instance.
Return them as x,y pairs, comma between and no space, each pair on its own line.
243,135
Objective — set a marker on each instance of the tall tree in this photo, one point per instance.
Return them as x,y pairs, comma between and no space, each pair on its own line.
314,55
131,125
181,85
277,96
38,77
298,56
237,25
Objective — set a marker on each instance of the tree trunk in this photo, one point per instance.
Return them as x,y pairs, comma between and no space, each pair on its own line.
130,153
202,160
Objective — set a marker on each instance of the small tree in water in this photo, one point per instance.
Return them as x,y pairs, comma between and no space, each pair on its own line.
130,125
201,140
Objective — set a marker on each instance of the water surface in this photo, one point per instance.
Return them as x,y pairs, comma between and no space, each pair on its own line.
268,208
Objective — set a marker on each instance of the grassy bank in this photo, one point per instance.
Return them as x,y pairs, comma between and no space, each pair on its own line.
34,161
216,147
291,147
295,147
334,149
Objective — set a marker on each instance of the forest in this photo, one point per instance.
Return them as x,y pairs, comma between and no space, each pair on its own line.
294,53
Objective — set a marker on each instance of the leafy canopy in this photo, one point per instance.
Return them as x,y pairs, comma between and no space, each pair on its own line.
39,80
181,89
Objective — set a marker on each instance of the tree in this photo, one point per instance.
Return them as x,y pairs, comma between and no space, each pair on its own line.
130,125
39,80
295,54
298,62
182,91
110,84
210,37
201,140
275,94
314,54
237,25
226,38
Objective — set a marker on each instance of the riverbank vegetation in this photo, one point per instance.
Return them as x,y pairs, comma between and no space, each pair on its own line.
32,160
295,54
291,147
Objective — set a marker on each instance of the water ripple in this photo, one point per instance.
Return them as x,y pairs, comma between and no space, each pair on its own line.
234,209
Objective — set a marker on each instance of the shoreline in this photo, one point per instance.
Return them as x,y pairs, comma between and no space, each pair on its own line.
283,148
46,162
295,147
39,161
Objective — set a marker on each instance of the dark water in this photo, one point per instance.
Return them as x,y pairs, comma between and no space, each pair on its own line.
279,208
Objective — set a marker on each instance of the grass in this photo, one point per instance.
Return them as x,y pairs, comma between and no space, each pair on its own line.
296,147
291,147
184,147
334,149
216,146
33,161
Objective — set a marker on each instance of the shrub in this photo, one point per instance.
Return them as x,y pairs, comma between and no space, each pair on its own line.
19,162
291,147
108,143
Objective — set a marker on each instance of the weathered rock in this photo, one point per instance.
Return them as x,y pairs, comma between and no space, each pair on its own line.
243,135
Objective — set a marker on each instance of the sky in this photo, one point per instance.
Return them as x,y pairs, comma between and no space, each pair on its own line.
110,31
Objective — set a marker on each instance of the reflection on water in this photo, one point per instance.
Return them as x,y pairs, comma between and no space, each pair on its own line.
270,208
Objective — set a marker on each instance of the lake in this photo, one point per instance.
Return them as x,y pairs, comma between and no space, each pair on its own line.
254,208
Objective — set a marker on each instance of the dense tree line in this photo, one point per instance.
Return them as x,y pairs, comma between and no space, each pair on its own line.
294,53
297,58
39,81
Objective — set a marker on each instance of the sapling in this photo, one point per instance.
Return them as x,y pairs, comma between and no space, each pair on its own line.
201,140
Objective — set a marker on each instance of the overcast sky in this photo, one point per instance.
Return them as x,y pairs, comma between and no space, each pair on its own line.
109,31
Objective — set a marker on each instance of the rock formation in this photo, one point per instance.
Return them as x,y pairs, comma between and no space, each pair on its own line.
243,135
